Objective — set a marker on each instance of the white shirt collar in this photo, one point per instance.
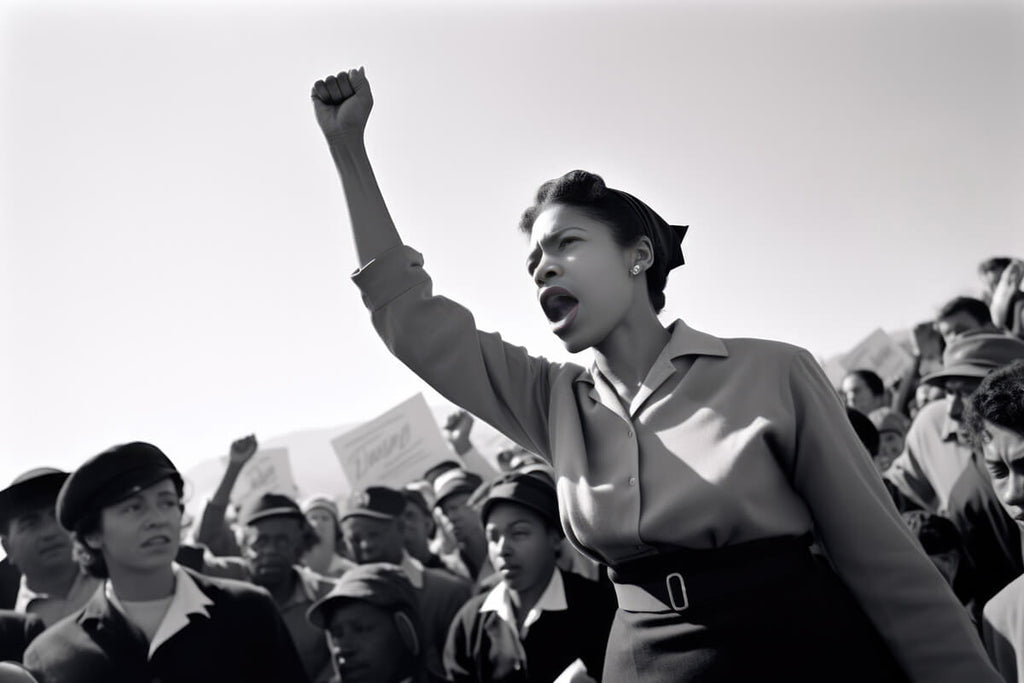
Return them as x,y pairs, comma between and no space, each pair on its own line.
413,569
499,600
187,599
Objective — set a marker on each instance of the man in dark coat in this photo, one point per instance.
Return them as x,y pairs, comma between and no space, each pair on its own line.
153,619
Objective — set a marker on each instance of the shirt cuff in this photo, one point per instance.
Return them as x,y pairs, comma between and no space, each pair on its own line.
390,275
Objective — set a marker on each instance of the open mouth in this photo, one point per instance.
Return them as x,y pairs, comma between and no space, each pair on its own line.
559,305
157,542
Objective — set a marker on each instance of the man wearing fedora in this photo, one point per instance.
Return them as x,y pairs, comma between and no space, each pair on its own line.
152,619
940,471
51,585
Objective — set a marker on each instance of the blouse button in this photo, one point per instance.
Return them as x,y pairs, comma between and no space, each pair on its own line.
632,481
629,433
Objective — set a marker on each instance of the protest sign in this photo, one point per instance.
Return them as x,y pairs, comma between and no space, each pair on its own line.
269,471
880,353
394,448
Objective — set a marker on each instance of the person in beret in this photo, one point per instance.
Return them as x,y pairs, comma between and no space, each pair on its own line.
373,528
373,624
152,619
538,623
941,472
51,584
275,536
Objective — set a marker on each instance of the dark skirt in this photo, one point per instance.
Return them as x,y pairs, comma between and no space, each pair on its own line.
802,625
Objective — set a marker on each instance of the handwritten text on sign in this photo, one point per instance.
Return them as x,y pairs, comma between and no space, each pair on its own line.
393,449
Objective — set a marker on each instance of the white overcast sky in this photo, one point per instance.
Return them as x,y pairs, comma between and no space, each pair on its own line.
175,251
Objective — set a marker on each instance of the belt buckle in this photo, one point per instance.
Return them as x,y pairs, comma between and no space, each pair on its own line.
672,593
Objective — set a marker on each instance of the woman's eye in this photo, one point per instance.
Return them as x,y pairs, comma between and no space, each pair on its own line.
566,241
997,470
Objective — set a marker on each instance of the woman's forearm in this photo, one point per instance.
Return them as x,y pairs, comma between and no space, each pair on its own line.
372,228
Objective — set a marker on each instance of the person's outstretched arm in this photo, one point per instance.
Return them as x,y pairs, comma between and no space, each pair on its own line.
212,530
342,104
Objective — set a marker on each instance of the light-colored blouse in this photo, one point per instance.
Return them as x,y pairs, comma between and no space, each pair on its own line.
728,440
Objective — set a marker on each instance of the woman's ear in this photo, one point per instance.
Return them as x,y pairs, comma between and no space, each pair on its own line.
643,253
407,632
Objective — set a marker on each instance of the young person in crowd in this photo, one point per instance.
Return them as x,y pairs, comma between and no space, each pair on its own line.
941,540
695,467
324,557
52,585
152,619
373,625
941,472
994,422
372,526
419,527
864,391
538,623
892,432
963,315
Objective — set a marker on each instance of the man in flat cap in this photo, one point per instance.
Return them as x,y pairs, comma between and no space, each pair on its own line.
51,585
373,529
275,536
373,624
152,619
941,472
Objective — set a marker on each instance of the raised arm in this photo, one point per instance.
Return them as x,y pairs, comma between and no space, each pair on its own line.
342,104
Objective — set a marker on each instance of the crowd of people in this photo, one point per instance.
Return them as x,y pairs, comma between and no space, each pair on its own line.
688,508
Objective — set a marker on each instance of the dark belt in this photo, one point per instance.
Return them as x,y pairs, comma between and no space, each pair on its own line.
678,580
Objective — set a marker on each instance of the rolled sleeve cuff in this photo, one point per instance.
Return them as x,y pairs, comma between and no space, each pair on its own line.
389,275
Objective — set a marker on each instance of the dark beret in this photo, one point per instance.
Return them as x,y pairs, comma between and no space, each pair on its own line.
110,477
269,505
32,490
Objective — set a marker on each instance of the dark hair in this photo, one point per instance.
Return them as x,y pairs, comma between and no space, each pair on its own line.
996,263
90,559
866,431
587,192
1000,400
874,383
976,308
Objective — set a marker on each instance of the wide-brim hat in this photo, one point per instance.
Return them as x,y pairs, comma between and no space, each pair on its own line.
110,477
30,490
974,356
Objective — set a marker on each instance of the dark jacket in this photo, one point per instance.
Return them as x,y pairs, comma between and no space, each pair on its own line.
17,630
482,647
243,639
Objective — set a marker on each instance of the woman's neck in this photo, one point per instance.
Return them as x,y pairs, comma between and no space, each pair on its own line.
138,586
626,355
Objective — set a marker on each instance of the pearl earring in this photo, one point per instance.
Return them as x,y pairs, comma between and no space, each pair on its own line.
636,269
